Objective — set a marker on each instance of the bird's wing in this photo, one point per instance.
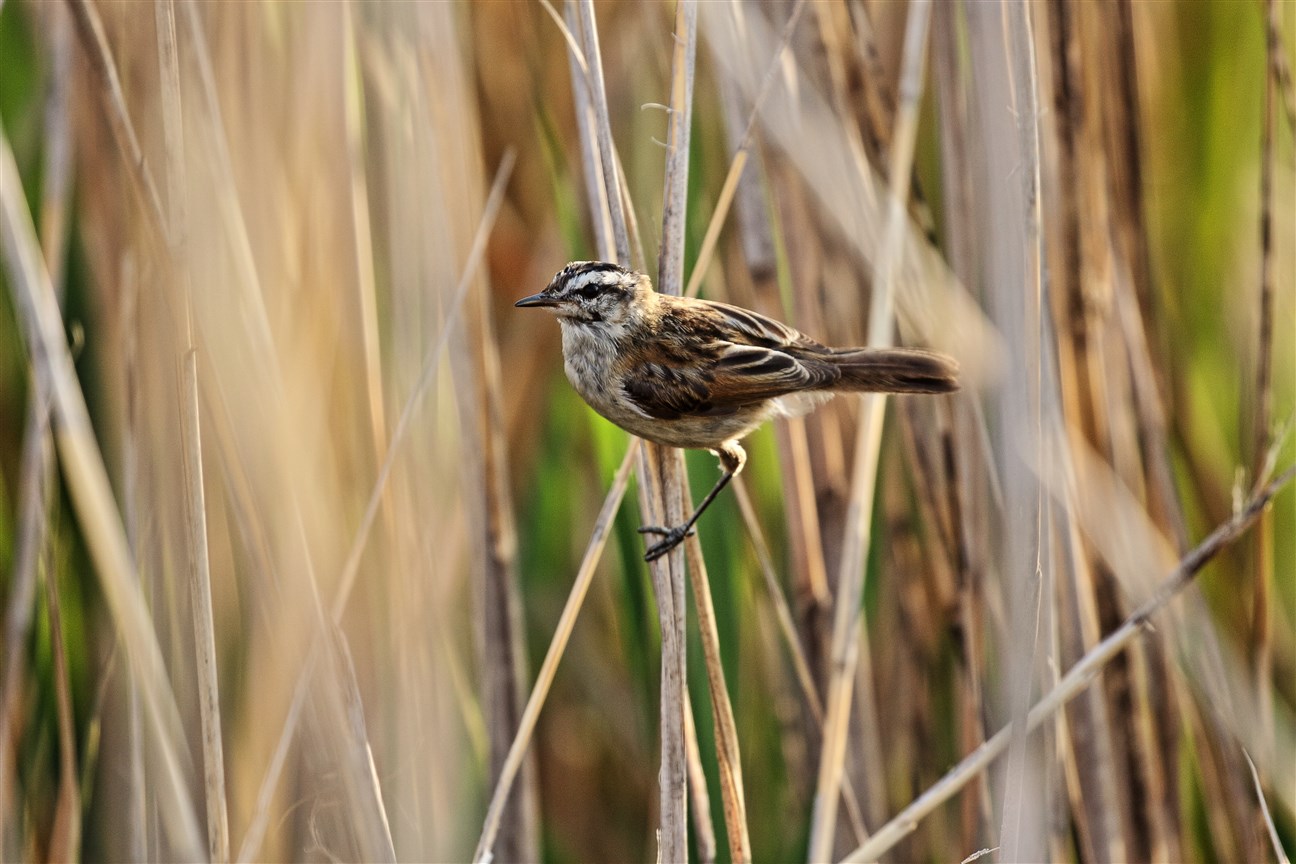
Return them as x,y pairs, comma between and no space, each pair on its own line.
745,327
734,358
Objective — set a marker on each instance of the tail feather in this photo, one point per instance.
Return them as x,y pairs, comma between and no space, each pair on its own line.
895,370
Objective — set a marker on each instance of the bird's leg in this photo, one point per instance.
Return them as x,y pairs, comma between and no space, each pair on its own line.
732,458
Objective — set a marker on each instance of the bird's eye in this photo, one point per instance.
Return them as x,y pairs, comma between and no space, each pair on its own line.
589,292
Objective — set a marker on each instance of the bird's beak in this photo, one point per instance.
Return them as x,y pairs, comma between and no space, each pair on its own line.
536,300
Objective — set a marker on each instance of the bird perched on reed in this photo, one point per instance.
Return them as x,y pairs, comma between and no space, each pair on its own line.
699,374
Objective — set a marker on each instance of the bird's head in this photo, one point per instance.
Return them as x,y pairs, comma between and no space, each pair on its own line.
592,292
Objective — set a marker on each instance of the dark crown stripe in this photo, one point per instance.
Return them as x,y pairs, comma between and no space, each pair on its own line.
577,269
583,267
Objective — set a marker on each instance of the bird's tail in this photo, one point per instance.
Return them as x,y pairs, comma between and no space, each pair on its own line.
895,370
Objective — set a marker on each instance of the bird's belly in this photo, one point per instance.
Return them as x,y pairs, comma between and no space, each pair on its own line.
698,432
688,431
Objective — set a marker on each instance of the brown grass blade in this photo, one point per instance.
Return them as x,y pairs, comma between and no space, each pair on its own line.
728,753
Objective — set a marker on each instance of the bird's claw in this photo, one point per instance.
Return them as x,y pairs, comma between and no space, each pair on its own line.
671,537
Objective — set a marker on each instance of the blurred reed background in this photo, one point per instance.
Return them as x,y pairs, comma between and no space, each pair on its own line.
347,487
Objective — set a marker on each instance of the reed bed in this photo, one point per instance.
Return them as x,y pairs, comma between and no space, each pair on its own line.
309,551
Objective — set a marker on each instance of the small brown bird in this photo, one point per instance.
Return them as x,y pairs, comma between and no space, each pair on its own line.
698,374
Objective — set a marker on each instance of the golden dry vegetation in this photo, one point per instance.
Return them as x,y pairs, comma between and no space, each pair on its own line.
293,501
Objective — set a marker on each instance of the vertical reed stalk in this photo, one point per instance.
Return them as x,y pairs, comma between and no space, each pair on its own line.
1017,837
191,440
668,571
1261,419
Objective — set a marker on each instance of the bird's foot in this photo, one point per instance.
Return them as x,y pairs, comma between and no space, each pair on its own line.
671,537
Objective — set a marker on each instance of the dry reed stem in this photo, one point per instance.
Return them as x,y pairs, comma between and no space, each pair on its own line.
1077,678
1097,730
1022,77
723,202
191,442
92,498
204,631
381,845
878,104
231,216
1118,528
728,753
803,516
254,834
1132,298
848,632
603,125
1280,854
699,797
661,476
669,571
673,831
637,257
587,132
611,209
1262,416
670,257
612,232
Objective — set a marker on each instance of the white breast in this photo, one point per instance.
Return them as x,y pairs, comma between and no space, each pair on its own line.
589,358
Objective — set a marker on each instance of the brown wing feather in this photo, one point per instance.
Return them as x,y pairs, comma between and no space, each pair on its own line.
733,360
745,327
668,391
